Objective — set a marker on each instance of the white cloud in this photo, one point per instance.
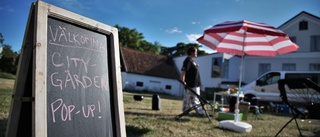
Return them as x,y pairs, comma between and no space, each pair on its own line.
195,22
193,37
78,6
174,30
6,9
240,1
208,27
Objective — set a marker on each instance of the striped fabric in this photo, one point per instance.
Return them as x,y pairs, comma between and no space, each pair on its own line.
248,38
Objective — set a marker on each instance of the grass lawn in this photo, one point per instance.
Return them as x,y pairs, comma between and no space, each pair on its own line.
6,88
141,120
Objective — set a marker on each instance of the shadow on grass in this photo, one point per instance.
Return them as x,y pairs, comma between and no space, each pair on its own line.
132,131
148,114
185,118
3,125
150,94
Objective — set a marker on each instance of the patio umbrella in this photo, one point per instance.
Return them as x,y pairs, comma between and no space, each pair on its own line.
246,38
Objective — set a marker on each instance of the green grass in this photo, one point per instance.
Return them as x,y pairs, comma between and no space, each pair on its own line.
142,121
5,75
6,88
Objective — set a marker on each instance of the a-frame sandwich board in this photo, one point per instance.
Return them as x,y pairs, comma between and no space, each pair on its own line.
68,79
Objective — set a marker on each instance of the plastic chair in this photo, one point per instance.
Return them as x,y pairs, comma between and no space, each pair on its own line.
300,93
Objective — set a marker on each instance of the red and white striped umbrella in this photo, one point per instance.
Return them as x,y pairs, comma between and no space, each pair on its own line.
247,38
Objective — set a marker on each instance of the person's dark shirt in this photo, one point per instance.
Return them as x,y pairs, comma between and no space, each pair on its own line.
192,77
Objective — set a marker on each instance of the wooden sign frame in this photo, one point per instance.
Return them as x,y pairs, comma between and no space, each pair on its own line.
29,105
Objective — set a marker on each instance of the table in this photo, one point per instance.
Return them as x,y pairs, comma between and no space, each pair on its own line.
223,94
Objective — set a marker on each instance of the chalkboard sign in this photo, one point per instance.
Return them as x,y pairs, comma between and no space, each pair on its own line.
78,93
69,77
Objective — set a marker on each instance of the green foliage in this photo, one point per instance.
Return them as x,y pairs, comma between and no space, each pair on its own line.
9,59
6,89
6,75
180,49
1,39
133,39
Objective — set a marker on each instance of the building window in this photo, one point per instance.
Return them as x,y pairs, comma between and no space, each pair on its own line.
263,68
289,66
314,67
225,68
315,43
303,25
293,39
168,87
216,67
139,84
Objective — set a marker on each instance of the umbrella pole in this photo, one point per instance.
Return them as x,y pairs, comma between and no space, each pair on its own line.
237,116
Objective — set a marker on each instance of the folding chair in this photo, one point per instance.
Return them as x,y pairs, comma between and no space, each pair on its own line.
256,107
299,93
203,103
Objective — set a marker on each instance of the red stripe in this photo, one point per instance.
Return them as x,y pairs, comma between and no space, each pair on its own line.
226,50
236,30
257,44
207,43
235,26
216,36
288,49
261,53
278,39
232,41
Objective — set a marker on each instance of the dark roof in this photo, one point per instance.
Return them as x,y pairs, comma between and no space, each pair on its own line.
303,12
134,61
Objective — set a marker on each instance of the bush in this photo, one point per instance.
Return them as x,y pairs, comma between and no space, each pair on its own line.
6,75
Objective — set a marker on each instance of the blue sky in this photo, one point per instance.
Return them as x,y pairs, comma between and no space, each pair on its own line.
165,21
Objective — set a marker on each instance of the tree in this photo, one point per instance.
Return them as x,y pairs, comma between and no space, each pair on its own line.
1,42
180,49
149,47
9,59
131,38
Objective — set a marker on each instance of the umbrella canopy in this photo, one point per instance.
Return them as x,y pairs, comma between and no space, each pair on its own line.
247,38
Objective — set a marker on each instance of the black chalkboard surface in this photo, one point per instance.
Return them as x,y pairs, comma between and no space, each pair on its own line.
78,92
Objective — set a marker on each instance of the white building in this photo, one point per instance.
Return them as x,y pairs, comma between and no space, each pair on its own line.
303,29
142,71
146,71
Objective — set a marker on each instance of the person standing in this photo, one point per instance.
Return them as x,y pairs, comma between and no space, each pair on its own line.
191,77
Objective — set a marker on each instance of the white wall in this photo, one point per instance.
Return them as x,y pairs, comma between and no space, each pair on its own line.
150,83
302,61
234,69
250,66
205,68
302,36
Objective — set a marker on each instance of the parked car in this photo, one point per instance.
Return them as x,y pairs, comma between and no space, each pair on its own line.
266,85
